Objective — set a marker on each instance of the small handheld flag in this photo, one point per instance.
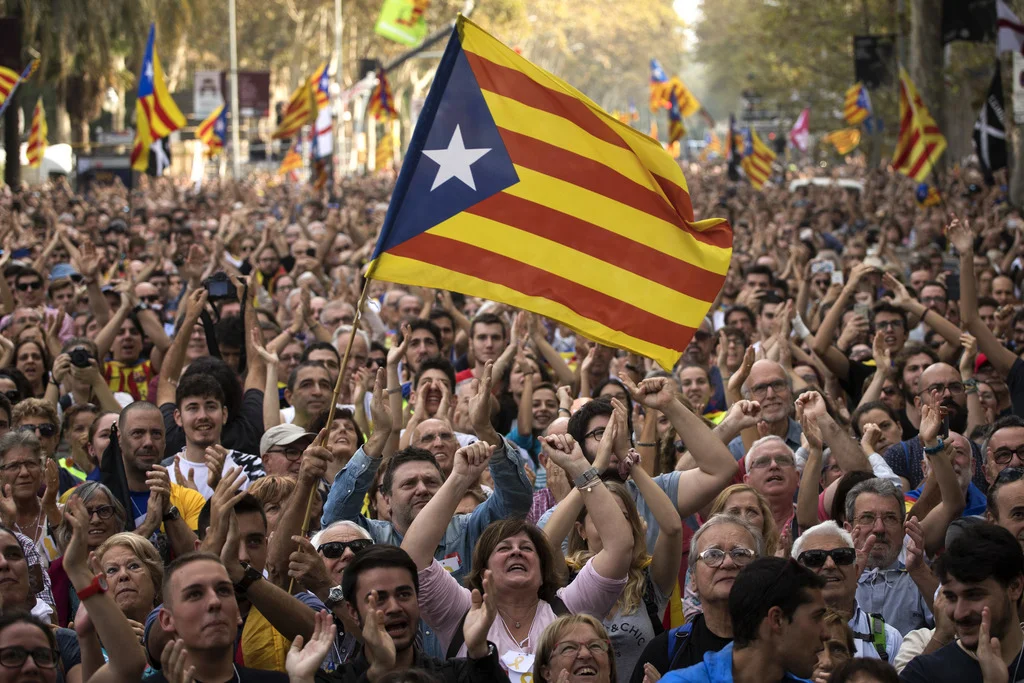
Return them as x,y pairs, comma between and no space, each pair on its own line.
518,188
920,141
857,106
10,80
213,131
301,110
37,138
156,114
757,159
927,195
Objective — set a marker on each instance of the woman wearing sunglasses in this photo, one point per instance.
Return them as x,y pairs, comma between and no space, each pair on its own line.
106,518
828,550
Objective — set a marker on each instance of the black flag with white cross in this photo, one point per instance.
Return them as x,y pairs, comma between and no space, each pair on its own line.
990,130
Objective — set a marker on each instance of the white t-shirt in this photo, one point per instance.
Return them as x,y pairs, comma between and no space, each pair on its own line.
252,465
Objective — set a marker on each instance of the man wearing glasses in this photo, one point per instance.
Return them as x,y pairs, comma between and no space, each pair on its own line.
940,385
1004,469
281,449
828,551
770,385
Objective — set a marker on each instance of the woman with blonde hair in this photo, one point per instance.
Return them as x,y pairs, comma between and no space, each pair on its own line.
574,642
636,617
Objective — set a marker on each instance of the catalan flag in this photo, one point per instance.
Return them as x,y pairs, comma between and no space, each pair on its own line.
757,159
518,188
320,81
920,142
858,104
926,195
688,103
10,80
845,140
713,145
213,131
37,137
659,96
382,103
156,114
676,130
385,152
301,110
292,160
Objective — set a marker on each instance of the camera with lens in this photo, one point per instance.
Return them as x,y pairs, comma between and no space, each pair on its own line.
219,287
80,358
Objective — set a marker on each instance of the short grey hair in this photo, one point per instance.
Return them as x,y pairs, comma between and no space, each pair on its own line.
718,520
760,443
345,331
829,528
318,536
745,389
879,487
86,492
19,439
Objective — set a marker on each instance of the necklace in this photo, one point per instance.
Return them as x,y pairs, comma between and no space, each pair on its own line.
521,643
35,529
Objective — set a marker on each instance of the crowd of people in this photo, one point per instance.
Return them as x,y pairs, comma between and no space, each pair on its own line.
828,485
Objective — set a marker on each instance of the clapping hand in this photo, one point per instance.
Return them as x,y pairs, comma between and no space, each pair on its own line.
302,663
479,619
378,646
174,663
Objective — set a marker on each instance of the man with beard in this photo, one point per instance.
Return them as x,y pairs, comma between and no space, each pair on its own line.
887,586
828,551
769,384
201,414
940,385
690,490
982,575
156,503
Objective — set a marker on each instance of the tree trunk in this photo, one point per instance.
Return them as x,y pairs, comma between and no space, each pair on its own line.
926,58
62,132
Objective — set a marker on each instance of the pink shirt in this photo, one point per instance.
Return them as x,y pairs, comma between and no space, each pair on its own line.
443,602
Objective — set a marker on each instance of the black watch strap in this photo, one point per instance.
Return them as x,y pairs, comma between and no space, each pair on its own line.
250,577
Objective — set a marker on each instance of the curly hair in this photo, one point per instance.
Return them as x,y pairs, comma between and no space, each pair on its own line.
632,595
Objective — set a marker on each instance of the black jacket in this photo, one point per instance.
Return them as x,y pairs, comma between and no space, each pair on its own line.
459,670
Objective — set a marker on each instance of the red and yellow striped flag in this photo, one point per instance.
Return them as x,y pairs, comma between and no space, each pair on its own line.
845,140
301,110
857,106
292,160
37,138
518,188
920,142
757,159
8,79
156,114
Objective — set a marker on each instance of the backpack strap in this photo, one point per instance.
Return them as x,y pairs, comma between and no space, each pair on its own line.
676,638
875,636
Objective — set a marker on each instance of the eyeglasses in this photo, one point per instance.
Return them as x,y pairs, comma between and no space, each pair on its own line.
766,460
1005,455
15,467
45,430
869,519
890,391
103,511
570,649
889,325
292,454
759,391
936,390
335,549
701,336
596,434
29,286
714,557
933,300
814,559
14,657
150,298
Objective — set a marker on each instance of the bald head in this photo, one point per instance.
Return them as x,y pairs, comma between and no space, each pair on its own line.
438,437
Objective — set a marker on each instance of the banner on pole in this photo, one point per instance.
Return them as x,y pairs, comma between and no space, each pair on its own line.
206,93
873,60
402,21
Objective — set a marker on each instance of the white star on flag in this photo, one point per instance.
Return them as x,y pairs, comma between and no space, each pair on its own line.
149,70
455,161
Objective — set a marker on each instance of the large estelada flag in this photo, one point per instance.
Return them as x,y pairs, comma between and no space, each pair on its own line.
301,110
920,142
857,105
37,137
757,159
213,130
518,188
156,114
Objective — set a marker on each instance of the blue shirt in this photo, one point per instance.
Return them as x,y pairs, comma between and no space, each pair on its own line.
976,505
716,668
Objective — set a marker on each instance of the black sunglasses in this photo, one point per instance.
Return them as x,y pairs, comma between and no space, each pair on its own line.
335,549
26,286
45,430
817,558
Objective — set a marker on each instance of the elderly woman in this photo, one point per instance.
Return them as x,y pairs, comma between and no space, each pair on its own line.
107,517
576,643
517,560
21,476
718,551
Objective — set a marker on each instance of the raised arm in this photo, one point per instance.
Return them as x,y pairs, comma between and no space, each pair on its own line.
975,411
174,359
715,464
668,549
271,402
810,479
105,337
427,530
256,366
936,522
822,345
553,358
292,517
847,452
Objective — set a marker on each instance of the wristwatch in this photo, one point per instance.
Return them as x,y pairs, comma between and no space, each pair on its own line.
250,577
98,586
172,514
334,598
936,449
